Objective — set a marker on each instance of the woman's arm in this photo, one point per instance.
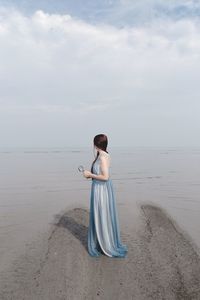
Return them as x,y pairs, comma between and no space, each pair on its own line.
104,170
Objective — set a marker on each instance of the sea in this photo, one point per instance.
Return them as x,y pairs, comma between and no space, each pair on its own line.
36,184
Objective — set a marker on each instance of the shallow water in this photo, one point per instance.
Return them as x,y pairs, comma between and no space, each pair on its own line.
37,183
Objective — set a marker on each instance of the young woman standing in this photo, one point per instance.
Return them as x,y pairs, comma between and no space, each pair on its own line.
103,231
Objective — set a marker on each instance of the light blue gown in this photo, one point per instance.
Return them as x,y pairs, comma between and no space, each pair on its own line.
103,231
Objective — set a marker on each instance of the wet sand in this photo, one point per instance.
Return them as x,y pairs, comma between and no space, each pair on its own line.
162,262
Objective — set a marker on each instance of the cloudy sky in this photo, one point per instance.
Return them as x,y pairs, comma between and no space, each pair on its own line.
71,69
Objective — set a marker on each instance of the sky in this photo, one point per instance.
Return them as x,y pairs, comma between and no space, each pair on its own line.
72,69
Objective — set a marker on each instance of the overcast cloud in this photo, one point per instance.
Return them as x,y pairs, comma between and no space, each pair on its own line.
65,78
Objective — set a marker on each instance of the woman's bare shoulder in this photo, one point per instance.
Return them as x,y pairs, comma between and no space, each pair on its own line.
105,156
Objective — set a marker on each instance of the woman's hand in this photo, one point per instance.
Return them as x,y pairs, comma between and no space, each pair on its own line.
87,174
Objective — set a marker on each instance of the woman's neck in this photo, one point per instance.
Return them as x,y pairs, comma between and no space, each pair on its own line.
102,151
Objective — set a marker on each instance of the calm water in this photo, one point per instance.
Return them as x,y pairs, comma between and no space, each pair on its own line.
38,183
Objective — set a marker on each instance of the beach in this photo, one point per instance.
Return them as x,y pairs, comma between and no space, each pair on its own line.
44,222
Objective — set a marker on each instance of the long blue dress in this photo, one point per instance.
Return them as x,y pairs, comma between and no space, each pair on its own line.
103,231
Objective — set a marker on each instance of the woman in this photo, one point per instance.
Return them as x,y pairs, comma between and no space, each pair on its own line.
103,231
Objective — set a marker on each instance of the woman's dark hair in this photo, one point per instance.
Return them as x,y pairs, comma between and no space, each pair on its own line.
101,141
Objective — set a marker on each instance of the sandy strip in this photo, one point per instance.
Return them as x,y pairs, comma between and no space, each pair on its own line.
162,263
